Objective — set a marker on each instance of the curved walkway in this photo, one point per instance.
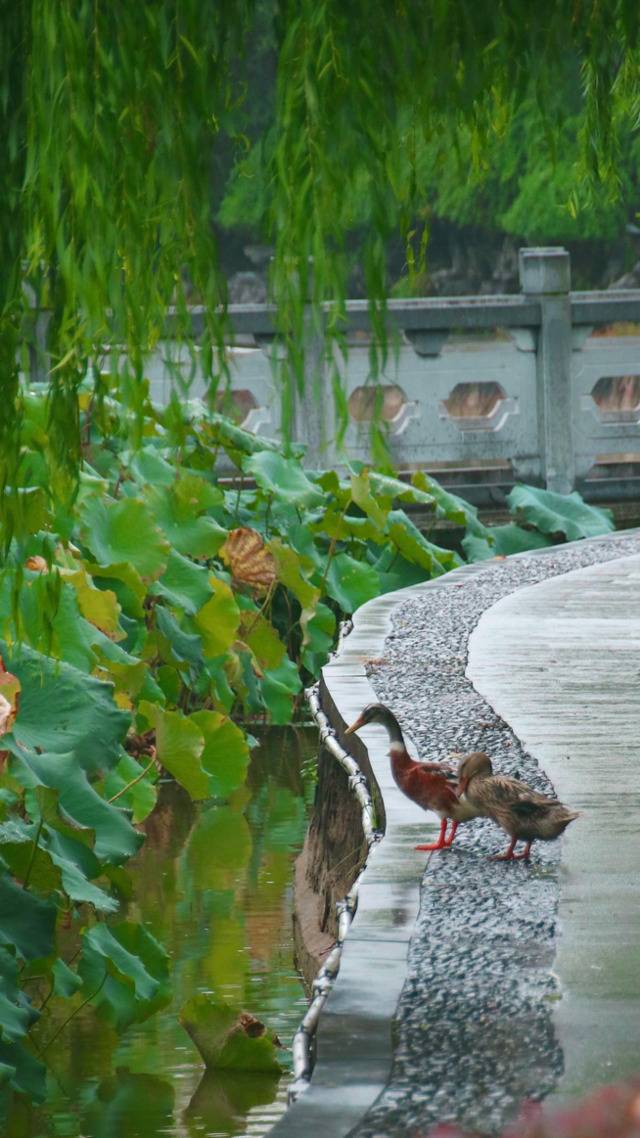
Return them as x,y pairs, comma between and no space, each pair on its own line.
560,663
470,979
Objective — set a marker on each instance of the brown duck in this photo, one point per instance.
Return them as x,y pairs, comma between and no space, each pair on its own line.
434,786
525,814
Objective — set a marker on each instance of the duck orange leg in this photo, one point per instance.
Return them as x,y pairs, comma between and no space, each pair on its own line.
452,833
509,855
442,843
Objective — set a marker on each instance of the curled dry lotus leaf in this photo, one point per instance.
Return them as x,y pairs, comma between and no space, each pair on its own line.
250,561
9,698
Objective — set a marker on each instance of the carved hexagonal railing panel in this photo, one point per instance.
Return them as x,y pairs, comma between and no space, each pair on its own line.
389,400
478,406
616,398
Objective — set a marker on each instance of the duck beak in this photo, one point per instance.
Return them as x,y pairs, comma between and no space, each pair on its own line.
354,726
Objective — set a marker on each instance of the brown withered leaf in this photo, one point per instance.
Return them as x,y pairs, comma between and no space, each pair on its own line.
9,698
249,560
251,1026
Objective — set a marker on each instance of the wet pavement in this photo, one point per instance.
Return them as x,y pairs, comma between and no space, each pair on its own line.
560,662
475,990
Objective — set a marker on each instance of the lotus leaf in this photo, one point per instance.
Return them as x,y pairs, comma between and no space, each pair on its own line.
566,514
228,1038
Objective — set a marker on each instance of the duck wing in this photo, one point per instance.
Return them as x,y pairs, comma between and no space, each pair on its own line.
510,792
431,789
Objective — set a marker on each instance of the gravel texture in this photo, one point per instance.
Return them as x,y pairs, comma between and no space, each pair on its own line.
475,1034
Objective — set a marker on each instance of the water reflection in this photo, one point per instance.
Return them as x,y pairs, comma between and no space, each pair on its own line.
213,883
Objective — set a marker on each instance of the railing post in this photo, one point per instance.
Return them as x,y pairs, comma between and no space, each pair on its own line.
546,275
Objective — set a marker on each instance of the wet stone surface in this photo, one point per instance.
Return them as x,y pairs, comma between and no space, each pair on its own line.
474,1028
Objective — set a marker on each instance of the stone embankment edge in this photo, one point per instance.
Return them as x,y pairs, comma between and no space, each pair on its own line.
359,987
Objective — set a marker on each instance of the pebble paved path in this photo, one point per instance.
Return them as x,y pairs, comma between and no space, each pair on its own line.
476,1026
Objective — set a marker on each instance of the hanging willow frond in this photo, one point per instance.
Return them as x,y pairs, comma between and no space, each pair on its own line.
118,121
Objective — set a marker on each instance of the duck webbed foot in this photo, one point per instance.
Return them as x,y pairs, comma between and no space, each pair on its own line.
443,842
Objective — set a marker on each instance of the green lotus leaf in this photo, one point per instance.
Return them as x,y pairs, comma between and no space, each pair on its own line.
77,866
66,982
505,540
178,518
184,645
218,619
127,674
193,492
415,547
225,1036
124,972
179,747
148,467
226,752
362,494
16,1013
301,537
42,803
142,795
126,583
124,531
26,921
262,638
98,606
115,838
183,583
246,682
62,709
25,859
351,583
283,478
401,574
238,442
566,514
279,686
51,621
291,568
318,637
383,485
345,527
25,509
22,1071
448,505
216,681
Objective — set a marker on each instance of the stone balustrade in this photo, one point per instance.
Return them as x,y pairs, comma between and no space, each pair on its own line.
481,390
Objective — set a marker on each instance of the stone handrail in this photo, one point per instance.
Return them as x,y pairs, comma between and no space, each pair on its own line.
541,401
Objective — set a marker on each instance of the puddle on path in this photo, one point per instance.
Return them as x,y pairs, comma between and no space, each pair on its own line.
213,883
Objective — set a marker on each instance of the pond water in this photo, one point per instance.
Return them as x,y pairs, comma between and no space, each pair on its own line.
214,884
